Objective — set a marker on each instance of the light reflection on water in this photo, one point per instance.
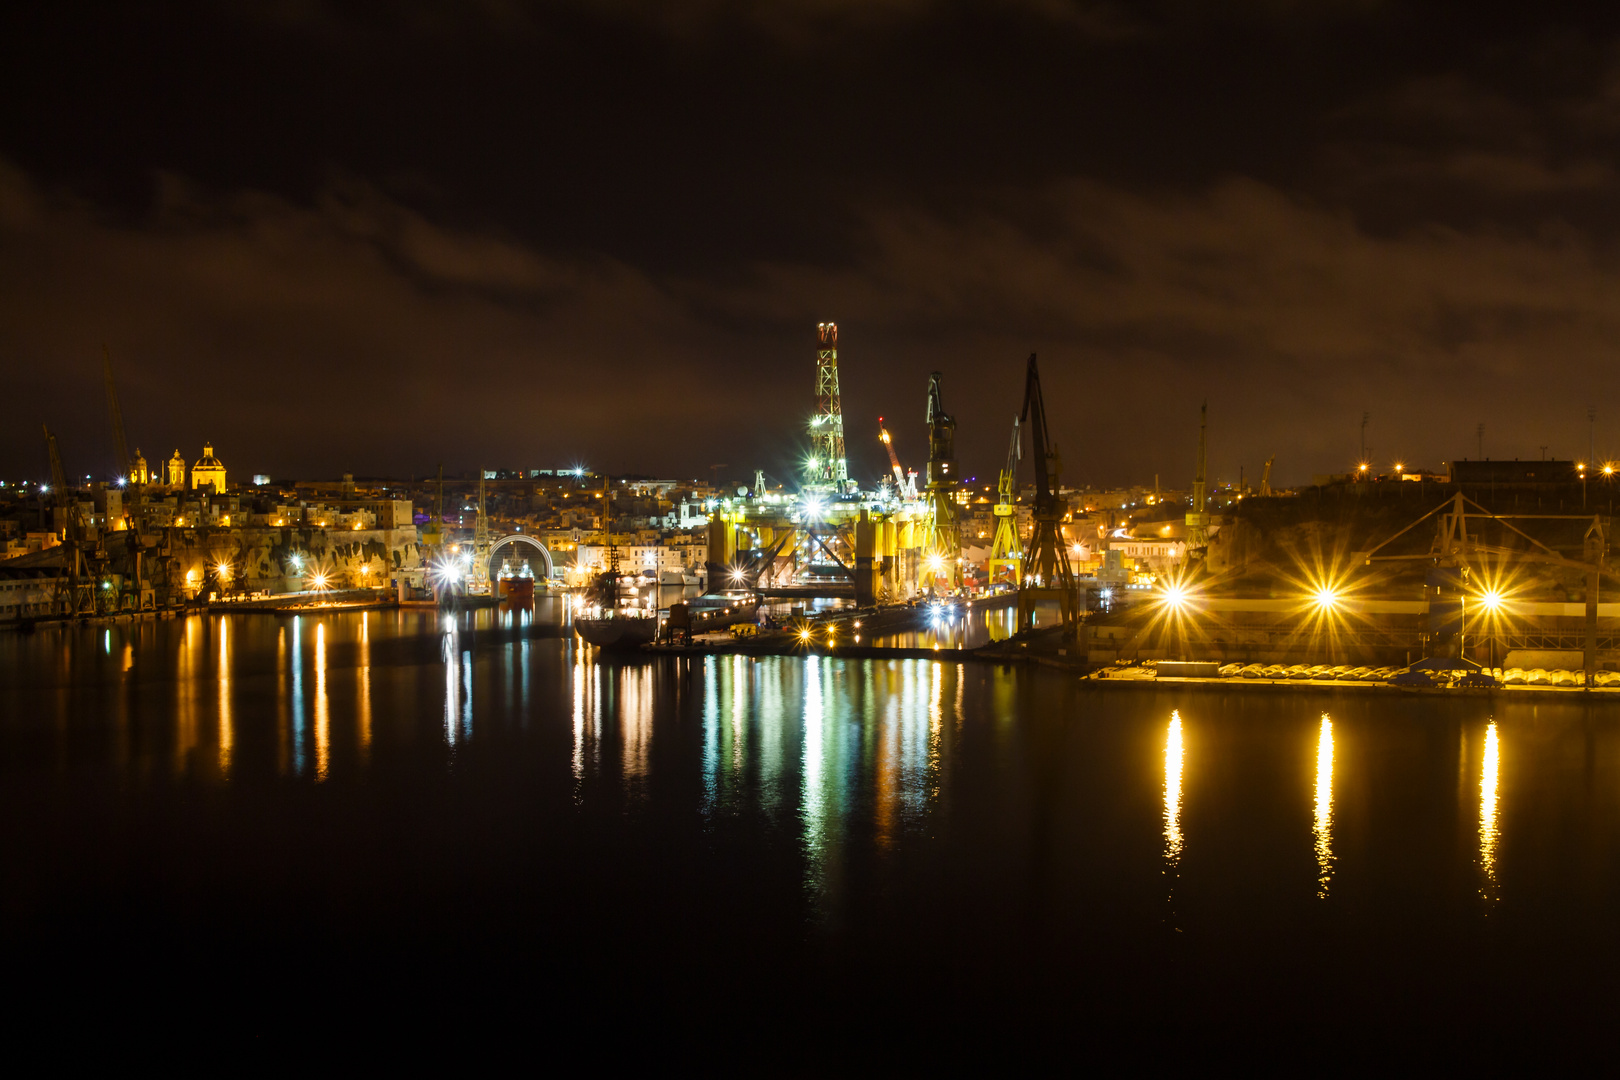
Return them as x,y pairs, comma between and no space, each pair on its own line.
1322,828
225,734
1488,832
961,629
323,711
839,754
1173,763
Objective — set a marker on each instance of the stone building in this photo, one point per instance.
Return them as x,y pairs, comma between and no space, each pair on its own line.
208,470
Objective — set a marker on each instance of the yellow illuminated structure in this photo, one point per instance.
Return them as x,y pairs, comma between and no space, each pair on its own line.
177,471
208,470
1006,550
138,474
941,569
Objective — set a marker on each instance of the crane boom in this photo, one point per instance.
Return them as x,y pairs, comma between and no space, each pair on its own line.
1265,478
894,459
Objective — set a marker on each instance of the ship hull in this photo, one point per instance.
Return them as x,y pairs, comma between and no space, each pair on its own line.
617,633
517,590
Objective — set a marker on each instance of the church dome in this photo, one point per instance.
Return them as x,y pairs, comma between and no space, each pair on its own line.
208,461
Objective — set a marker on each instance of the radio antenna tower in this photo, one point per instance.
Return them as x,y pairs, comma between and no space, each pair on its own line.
828,468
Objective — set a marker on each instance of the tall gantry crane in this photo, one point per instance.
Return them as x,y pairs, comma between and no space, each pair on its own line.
942,551
1046,573
1265,478
1006,550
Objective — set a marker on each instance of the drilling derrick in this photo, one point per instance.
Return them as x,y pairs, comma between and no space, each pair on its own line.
1006,551
1046,573
942,548
1198,517
828,469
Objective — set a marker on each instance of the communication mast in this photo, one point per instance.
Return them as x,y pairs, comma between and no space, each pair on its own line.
828,468
1198,517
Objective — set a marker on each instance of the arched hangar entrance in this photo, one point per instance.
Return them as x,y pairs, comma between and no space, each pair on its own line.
497,554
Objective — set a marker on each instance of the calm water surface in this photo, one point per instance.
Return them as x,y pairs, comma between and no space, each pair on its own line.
798,862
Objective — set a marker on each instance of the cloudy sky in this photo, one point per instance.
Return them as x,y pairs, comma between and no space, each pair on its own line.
370,238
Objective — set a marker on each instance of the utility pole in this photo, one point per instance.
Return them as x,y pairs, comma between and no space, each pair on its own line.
1364,418
1591,434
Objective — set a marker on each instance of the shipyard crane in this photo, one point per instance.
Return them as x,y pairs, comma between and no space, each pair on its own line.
1045,573
905,484
1265,478
1006,552
942,564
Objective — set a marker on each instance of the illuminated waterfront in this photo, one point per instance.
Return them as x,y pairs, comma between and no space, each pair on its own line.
457,800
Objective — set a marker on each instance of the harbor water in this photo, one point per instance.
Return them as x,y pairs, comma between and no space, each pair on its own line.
398,820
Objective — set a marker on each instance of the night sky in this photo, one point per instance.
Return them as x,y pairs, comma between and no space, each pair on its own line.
370,238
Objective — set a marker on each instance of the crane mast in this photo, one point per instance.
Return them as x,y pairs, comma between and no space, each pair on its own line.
1265,478
942,566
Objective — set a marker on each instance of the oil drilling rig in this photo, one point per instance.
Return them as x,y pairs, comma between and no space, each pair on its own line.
827,471
1046,573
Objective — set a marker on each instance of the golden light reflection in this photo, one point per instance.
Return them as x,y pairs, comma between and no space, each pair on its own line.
323,714
186,727
1173,754
1488,832
225,733
365,687
635,718
1322,830
936,716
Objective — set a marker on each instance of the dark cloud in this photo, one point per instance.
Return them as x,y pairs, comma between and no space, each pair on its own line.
336,239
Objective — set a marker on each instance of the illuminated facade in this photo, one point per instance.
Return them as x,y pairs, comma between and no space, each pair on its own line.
177,471
138,474
208,470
